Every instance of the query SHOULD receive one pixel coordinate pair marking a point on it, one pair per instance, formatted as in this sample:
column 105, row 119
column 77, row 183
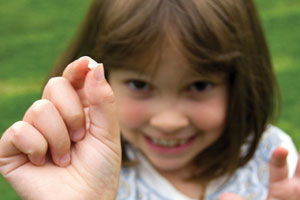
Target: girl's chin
column 167, row 165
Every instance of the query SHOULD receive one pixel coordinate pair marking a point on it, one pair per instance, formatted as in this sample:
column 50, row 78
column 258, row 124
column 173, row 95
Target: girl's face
column 171, row 115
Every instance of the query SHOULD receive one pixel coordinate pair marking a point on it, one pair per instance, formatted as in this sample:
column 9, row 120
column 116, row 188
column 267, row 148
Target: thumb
column 230, row 196
column 278, row 165
column 101, row 105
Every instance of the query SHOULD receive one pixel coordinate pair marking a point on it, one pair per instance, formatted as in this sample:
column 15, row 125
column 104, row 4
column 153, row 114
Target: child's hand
column 280, row 186
column 77, row 117
column 230, row 196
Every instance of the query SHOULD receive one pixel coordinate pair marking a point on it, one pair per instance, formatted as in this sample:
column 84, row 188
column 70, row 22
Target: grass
column 33, row 33
column 281, row 20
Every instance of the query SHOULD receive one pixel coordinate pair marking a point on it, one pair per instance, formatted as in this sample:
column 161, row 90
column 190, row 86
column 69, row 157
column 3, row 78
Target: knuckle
column 41, row 106
column 18, row 126
column 108, row 95
column 18, row 129
column 54, row 82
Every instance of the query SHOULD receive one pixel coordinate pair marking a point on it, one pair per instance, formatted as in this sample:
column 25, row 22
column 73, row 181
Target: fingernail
column 99, row 73
column 36, row 161
column 92, row 64
column 78, row 135
column 65, row 160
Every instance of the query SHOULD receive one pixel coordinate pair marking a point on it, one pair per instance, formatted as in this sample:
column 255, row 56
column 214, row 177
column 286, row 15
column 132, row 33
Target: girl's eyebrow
column 134, row 72
column 215, row 77
column 146, row 71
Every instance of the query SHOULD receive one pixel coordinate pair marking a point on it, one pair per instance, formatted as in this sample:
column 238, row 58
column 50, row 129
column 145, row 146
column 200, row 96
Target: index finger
column 77, row 70
column 278, row 165
column 230, row 196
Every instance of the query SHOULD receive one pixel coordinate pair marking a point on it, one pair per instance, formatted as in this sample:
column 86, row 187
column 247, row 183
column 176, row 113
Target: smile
column 169, row 142
column 169, row 146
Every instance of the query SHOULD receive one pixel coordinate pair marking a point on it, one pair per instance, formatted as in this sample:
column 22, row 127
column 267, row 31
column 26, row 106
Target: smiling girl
column 191, row 89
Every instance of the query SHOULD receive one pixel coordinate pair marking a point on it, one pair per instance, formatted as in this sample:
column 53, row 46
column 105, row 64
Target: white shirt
column 142, row 182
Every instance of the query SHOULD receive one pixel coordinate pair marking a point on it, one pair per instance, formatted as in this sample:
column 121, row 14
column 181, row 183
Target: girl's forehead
column 166, row 72
column 171, row 63
column 168, row 59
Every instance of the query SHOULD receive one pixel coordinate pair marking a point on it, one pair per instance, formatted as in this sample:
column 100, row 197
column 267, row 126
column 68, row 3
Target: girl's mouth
column 169, row 145
column 169, row 142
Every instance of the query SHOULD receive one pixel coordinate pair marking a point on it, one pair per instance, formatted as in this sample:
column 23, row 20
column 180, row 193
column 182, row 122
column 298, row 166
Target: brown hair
column 213, row 36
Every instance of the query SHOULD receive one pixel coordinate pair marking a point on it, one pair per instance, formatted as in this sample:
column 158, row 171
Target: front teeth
column 169, row 143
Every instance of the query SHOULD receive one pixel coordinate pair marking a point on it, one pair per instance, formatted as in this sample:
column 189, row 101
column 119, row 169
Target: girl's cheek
column 131, row 113
column 208, row 116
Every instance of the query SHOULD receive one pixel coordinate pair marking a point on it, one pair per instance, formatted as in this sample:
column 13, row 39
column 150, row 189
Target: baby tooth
column 92, row 64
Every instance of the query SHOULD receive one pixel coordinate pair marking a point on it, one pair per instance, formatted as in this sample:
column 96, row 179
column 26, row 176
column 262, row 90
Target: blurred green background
column 33, row 33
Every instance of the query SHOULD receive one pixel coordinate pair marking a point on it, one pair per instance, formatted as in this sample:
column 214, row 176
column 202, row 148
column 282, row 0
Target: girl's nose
column 169, row 121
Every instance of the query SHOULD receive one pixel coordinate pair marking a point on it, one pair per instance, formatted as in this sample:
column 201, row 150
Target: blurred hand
column 281, row 187
column 230, row 196
column 68, row 144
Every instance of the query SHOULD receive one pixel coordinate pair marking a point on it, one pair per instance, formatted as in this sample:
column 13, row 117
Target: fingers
column 67, row 94
column 102, row 112
column 278, row 165
column 61, row 93
column 19, row 143
column 87, row 77
column 230, row 196
column 46, row 119
column 61, row 112
column 21, row 137
column 76, row 72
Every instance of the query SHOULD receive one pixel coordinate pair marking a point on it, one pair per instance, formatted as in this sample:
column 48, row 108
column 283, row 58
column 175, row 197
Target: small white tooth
column 172, row 143
column 155, row 141
column 92, row 64
column 169, row 143
column 164, row 142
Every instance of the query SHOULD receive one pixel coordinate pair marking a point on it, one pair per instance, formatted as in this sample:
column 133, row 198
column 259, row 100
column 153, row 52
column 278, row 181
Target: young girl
column 194, row 93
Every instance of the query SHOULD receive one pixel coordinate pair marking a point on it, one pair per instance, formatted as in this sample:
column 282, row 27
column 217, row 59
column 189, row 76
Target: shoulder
column 274, row 137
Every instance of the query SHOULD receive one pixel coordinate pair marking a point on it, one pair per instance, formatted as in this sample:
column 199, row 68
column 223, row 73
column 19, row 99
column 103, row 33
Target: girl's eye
column 138, row 85
column 200, row 86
